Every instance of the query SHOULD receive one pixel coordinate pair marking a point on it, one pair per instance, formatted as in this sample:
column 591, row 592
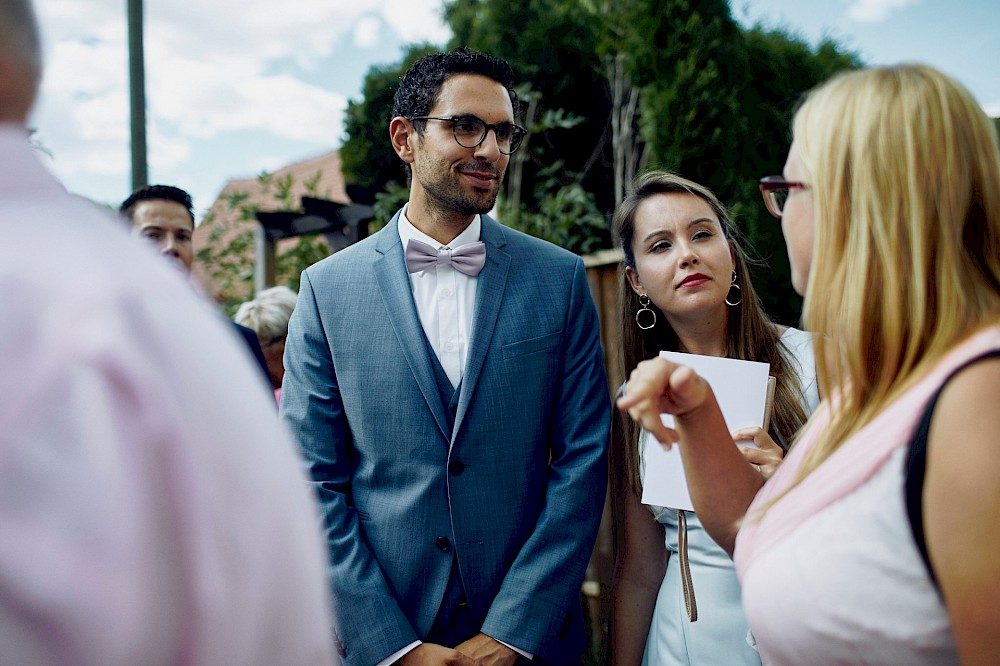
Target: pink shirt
column 153, row 510
column 831, row 573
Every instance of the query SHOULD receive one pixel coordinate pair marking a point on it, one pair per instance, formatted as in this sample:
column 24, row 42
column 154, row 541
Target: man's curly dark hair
column 420, row 86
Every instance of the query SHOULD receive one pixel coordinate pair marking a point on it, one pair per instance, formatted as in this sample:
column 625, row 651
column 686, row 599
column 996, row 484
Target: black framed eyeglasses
column 775, row 190
column 471, row 131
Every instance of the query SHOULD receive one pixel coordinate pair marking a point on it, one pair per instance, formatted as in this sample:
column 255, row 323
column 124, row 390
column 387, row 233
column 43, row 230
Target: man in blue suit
column 445, row 378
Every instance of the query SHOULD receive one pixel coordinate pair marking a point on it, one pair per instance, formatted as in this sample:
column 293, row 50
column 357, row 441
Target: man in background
column 152, row 508
column 163, row 215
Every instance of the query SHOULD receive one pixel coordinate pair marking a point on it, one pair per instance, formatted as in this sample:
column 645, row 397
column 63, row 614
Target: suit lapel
column 489, row 296
column 394, row 288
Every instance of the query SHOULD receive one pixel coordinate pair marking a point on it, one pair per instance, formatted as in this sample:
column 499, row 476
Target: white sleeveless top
column 849, row 586
column 831, row 573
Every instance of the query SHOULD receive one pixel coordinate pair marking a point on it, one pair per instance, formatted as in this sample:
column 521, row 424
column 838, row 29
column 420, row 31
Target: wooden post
column 604, row 277
column 263, row 266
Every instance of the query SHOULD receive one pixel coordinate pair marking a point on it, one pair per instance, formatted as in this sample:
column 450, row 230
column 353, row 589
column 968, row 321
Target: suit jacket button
column 456, row 467
column 443, row 544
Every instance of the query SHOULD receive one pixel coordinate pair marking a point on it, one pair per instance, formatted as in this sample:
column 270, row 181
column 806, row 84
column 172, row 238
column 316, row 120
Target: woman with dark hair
column 687, row 289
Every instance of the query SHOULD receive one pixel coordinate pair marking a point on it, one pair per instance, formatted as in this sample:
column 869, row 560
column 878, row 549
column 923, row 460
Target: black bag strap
column 916, row 466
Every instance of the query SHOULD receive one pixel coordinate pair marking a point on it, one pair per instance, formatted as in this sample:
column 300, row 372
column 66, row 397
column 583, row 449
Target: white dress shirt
column 154, row 510
column 445, row 299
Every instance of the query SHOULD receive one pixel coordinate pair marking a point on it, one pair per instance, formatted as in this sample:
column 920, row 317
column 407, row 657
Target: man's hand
column 431, row 654
column 488, row 651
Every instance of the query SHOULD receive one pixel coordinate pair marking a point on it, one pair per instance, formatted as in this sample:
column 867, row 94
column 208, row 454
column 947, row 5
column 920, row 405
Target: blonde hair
column 268, row 313
column 905, row 174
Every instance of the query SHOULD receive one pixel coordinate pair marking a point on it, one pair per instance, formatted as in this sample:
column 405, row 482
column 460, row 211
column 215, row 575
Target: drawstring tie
column 686, row 581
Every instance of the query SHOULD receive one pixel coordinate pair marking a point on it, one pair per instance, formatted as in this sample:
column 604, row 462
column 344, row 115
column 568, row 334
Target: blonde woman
column 890, row 204
column 676, row 599
column 267, row 315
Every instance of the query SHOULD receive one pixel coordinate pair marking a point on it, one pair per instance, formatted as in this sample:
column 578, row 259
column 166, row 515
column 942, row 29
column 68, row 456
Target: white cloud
column 258, row 32
column 100, row 159
column 212, row 67
column 366, row 32
column 167, row 151
column 84, row 92
column 416, row 20
column 102, row 118
column 875, row 11
column 992, row 110
column 68, row 19
column 205, row 101
column 78, row 68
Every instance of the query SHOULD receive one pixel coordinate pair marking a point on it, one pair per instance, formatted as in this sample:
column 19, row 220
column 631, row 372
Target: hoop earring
column 644, row 302
column 739, row 293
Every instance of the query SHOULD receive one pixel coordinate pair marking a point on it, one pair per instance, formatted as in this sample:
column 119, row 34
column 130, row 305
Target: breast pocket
column 539, row 345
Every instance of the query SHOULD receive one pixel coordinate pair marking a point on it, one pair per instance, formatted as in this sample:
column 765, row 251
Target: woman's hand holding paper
column 763, row 453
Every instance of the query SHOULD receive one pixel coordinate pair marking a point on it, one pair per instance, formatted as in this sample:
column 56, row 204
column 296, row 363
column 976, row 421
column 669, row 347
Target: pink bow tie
column 468, row 259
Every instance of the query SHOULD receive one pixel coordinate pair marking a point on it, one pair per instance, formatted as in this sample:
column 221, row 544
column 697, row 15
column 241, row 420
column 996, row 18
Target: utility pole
column 137, row 94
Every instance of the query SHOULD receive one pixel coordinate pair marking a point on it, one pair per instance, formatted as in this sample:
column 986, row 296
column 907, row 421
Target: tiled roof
column 318, row 176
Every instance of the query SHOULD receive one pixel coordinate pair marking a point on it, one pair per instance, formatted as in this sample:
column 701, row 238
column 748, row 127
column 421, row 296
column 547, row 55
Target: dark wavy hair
column 750, row 334
column 420, row 87
column 156, row 193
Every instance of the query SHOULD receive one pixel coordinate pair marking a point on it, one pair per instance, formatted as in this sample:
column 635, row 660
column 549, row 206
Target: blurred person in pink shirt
column 153, row 509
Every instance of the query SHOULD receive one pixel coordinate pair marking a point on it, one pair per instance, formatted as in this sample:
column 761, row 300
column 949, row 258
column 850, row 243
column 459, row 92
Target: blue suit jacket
column 253, row 346
column 530, row 433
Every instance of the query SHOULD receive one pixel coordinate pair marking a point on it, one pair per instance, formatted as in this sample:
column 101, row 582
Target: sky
column 236, row 88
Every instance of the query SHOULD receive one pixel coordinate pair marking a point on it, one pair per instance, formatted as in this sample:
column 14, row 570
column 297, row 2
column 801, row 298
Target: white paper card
column 740, row 388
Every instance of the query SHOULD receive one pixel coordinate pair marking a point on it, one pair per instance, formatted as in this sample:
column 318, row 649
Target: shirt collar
column 408, row 232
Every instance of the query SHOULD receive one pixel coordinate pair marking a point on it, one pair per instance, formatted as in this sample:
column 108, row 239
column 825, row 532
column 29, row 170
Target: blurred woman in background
column 268, row 314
